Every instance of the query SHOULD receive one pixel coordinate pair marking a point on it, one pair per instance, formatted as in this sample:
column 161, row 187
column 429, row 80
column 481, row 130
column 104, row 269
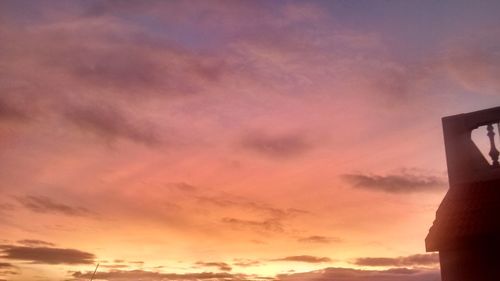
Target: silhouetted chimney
column 466, row 231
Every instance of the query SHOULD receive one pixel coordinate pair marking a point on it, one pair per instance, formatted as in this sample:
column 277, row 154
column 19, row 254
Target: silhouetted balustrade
column 494, row 153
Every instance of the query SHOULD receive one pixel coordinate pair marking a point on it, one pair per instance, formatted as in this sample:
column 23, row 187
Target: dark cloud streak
column 305, row 258
column 46, row 255
column 396, row 183
column 413, row 260
column 5, row 265
column 158, row 276
column 349, row 274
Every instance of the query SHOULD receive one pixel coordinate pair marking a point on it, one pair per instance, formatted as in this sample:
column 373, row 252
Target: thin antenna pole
column 93, row 274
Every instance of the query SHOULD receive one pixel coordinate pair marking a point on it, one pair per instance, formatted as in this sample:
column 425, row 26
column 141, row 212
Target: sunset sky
column 232, row 140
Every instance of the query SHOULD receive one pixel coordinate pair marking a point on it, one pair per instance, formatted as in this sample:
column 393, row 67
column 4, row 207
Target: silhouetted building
column 466, row 231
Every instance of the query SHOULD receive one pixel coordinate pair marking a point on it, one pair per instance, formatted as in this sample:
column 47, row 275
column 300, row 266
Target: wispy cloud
column 305, row 258
column 474, row 63
column 395, row 183
column 115, row 266
column 259, row 216
column 43, row 204
column 226, row 201
column 8, row 269
column 110, row 123
column 246, row 262
column 273, row 225
column 34, row 242
column 277, row 146
column 318, row 239
column 220, row 265
column 91, row 85
column 12, row 109
column 181, row 186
